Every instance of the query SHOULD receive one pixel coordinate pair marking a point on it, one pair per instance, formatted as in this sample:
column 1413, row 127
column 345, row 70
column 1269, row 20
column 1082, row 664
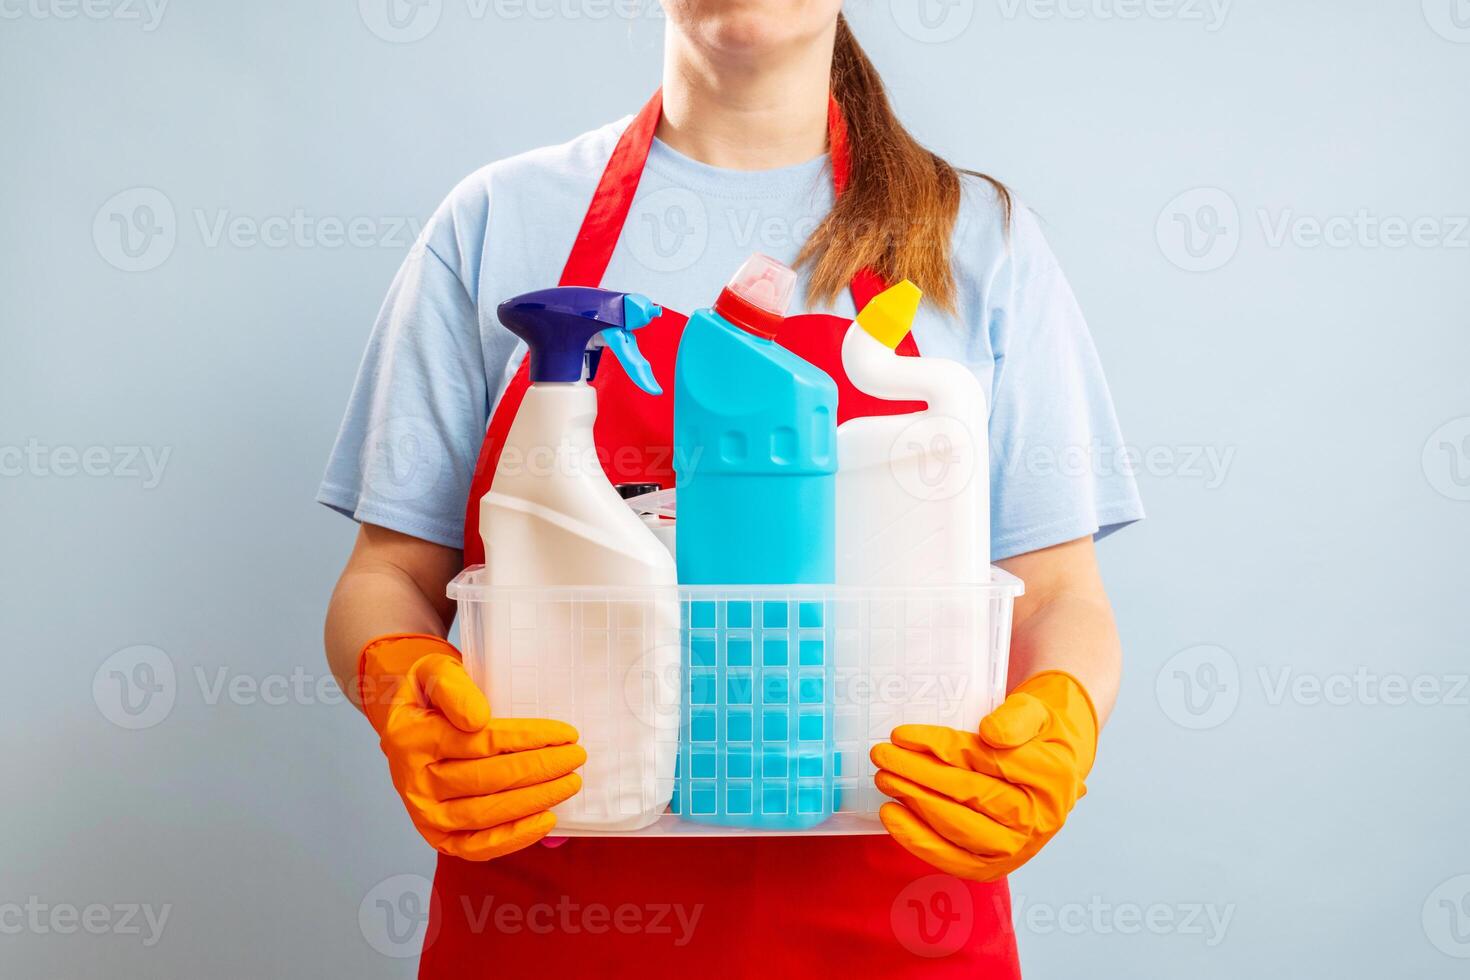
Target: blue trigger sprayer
column 565, row 328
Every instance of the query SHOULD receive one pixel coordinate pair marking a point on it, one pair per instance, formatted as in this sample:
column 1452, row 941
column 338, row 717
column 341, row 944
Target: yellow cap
column 890, row 314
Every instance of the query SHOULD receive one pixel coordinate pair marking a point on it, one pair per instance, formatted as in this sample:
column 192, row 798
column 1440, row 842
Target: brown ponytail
column 899, row 209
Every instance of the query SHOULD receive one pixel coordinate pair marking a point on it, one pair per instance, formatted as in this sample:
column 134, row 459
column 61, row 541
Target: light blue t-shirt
column 438, row 360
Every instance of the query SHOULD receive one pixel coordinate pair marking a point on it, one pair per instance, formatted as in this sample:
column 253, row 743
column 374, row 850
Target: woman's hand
column 476, row 787
column 980, row 806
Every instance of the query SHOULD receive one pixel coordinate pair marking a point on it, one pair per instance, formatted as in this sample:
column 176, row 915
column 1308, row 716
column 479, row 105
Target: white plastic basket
column 769, row 697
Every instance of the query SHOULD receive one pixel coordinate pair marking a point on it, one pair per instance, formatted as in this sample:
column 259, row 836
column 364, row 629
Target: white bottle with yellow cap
column 913, row 491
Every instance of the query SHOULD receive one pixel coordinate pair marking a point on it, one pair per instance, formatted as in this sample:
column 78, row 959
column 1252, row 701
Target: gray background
column 1258, row 823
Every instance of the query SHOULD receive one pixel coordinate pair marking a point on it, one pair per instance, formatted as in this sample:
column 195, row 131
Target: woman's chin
column 754, row 28
column 743, row 34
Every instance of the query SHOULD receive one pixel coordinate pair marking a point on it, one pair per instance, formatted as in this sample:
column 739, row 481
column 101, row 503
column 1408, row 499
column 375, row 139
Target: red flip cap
column 757, row 298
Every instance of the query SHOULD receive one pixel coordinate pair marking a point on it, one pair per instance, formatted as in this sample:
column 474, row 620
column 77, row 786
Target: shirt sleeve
column 407, row 447
column 1059, row 469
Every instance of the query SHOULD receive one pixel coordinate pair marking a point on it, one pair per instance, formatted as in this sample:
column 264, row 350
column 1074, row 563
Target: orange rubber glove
column 980, row 806
column 476, row 787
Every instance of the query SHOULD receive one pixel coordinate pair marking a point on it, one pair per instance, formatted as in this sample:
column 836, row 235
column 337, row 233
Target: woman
column 773, row 135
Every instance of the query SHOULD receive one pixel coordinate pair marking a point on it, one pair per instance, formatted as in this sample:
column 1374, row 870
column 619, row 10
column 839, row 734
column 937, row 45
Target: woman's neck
column 745, row 113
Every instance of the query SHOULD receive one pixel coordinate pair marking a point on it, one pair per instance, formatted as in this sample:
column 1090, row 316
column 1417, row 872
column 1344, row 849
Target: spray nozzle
column 562, row 325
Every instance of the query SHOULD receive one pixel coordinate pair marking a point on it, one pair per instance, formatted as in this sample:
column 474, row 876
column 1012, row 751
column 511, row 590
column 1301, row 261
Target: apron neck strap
column 603, row 225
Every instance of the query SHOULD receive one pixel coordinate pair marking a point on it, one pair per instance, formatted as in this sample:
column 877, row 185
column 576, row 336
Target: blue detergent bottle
column 755, row 456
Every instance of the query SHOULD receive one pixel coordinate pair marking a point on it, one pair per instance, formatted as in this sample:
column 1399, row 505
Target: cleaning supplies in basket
column 551, row 520
column 755, row 454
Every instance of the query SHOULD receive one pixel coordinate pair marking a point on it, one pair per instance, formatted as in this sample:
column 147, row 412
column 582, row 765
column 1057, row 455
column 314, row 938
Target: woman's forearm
column 1065, row 622
column 1073, row 633
column 392, row 584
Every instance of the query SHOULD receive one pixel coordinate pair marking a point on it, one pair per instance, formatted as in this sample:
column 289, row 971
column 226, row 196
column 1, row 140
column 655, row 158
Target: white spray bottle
column 552, row 521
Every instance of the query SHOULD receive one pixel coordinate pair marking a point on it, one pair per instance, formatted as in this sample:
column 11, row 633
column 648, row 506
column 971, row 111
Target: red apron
column 705, row 907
